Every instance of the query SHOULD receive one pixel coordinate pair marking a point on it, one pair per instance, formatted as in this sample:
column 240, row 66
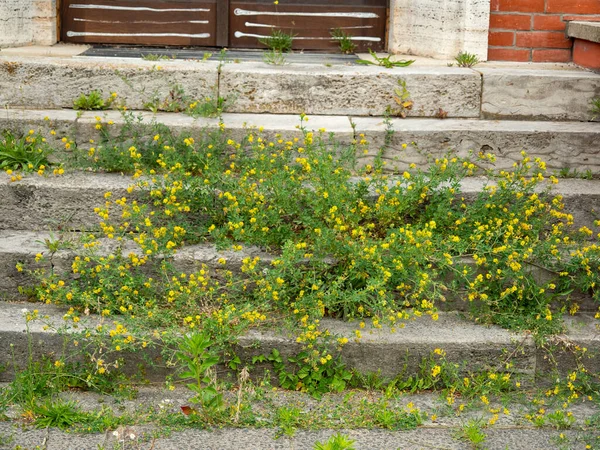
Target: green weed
column 94, row 101
column 27, row 153
column 336, row 442
column 465, row 59
column 344, row 41
column 472, row 431
column 595, row 108
column 58, row 414
column 386, row 61
column 274, row 57
column 279, row 41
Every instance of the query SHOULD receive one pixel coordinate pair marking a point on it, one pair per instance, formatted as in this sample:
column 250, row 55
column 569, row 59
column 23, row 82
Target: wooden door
column 144, row 22
column 224, row 23
column 310, row 22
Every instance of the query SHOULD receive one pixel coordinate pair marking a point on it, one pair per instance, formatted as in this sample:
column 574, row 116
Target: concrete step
column 472, row 346
column 562, row 145
column 67, row 202
column 23, row 246
column 513, row 92
column 18, row 247
column 352, row 414
column 428, row 437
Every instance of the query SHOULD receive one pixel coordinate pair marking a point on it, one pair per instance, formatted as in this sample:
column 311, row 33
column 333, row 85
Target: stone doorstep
column 561, row 145
column 508, row 92
column 465, row 342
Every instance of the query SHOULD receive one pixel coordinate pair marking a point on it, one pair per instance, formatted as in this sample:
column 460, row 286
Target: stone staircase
column 498, row 108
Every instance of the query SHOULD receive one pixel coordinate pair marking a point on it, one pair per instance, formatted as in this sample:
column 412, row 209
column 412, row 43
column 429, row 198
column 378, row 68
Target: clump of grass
column 595, row 108
column 27, row 153
column 336, row 442
column 157, row 57
column 274, row 57
column 386, row 61
column 465, row 59
column 344, row 40
column 278, row 41
column 94, row 101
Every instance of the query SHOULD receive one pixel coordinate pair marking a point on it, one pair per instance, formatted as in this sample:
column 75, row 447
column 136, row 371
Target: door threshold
column 213, row 54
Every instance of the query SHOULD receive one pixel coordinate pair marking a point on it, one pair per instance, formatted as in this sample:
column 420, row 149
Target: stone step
column 472, row 346
column 67, row 201
column 21, row 247
column 157, row 437
column 491, row 92
column 562, row 145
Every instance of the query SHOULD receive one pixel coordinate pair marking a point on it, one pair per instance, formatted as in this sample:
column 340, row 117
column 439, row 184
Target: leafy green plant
column 27, row 153
column 274, row 57
column 465, row 59
column 386, row 61
column 336, row 442
column 312, row 371
column 472, row 431
column 288, row 419
column 278, row 41
column 344, row 40
column 402, row 100
column 57, row 413
column 595, row 108
column 157, row 57
column 197, row 361
column 94, row 101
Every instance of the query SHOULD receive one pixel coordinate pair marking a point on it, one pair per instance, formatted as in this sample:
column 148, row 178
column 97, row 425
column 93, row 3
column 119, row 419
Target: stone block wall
column 439, row 28
column 534, row 30
column 27, row 22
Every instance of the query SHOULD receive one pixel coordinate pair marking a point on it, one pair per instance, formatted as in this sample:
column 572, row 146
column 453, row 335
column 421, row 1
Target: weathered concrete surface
column 348, row 90
column 439, row 29
column 561, row 145
column 21, row 247
column 66, row 202
column 538, row 94
column 47, row 82
column 26, row 22
column 430, row 437
column 588, row 31
column 379, row 349
column 566, row 351
column 237, row 125
column 470, row 345
column 18, row 121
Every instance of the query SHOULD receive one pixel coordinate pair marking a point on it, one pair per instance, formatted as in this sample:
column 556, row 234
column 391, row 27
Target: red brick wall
column 534, row 30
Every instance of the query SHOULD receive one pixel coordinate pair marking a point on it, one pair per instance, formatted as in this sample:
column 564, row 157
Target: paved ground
column 264, row 439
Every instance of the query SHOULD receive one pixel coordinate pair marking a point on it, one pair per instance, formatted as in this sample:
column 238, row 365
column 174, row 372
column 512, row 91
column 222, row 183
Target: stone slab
column 588, row 31
column 57, row 202
column 26, row 22
column 470, row 345
column 439, row 29
column 349, row 90
column 54, row 83
column 538, row 94
column 237, row 125
column 574, row 146
column 268, row 438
